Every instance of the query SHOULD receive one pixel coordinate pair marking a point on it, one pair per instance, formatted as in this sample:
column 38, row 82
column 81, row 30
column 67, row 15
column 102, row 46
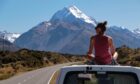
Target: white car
column 99, row 74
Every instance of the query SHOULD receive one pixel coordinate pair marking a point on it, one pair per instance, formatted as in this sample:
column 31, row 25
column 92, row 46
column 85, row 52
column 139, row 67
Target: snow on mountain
column 9, row 36
column 123, row 36
column 137, row 31
column 79, row 14
column 71, row 14
column 66, row 31
column 69, row 31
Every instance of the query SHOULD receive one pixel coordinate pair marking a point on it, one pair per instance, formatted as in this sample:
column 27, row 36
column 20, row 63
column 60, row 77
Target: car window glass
column 93, row 78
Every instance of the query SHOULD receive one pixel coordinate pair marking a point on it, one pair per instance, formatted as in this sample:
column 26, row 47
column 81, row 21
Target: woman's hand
column 90, row 56
column 115, row 56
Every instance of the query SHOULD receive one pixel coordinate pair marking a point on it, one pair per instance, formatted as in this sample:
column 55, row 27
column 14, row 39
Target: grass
column 5, row 76
column 54, row 78
column 6, row 72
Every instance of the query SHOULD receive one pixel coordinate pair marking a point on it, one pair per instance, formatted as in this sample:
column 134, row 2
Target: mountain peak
column 75, row 11
column 71, row 13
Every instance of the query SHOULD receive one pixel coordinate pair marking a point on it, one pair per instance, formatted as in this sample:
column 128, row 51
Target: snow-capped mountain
column 123, row 36
column 72, row 14
column 69, row 31
column 9, row 36
column 137, row 31
column 66, row 31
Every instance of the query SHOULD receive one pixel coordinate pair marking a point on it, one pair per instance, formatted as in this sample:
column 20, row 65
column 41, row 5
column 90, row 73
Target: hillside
column 6, row 45
column 12, row 63
column 129, row 56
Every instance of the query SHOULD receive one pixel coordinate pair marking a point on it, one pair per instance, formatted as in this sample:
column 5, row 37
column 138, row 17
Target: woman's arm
column 91, row 46
column 113, row 50
column 112, row 47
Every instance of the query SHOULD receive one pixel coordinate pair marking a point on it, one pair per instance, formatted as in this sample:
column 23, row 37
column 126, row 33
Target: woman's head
column 101, row 27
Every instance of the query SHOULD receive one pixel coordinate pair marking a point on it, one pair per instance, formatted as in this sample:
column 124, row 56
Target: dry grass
column 6, row 72
column 54, row 78
column 14, row 63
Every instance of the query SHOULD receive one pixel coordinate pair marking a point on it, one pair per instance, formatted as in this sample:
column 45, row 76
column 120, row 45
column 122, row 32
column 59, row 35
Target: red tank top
column 102, row 51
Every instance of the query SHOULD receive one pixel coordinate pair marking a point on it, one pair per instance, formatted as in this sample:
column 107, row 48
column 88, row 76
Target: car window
column 100, row 78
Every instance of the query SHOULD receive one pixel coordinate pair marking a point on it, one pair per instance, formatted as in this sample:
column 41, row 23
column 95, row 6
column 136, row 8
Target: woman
column 103, row 47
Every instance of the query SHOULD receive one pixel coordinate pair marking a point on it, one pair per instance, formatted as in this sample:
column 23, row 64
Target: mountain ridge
column 67, row 33
column 9, row 36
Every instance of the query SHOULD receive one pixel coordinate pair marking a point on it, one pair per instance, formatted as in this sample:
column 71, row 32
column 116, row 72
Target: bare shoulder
column 92, row 37
column 109, row 38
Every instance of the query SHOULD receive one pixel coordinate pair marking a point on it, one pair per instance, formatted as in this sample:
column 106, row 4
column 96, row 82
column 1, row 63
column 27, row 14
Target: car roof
column 112, row 68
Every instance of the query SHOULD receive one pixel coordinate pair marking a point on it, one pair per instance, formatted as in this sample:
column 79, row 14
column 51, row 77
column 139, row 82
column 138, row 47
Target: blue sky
column 22, row 15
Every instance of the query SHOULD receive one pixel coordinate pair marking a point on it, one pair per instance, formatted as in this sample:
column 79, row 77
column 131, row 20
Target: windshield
column 100, row 78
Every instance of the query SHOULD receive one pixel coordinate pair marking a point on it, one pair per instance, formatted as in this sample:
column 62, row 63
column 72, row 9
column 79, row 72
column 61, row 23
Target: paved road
column 40, row 76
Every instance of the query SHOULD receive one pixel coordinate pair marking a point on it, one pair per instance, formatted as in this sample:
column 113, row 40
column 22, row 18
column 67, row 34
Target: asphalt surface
column 39, row 76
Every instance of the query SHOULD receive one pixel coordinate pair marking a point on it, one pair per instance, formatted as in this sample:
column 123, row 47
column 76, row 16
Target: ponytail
column 102, row 26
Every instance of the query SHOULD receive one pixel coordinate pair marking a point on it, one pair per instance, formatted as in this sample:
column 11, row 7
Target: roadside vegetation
column 129, row 56
column 12, row 63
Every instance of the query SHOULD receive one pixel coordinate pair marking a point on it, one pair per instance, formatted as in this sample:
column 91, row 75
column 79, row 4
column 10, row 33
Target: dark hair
column 102, row 25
